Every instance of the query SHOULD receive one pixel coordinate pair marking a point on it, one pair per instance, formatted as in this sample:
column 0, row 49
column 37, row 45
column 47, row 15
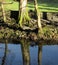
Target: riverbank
column 49, row 35
column 12, row 31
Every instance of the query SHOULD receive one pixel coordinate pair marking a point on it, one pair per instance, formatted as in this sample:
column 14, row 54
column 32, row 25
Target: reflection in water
column 5, row 53
column 39, row 55
column 36, row 55
column 25, row 52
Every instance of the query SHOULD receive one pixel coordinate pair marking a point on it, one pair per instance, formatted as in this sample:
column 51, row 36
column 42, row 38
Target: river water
column 13, row 56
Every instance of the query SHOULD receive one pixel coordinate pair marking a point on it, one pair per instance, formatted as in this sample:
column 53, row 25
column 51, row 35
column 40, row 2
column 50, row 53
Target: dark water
column 13, row 56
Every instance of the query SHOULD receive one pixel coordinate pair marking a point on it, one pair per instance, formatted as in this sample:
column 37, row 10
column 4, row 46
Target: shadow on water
column 24, row 54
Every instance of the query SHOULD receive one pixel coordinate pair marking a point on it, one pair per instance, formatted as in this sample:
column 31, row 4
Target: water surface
column 14, row 55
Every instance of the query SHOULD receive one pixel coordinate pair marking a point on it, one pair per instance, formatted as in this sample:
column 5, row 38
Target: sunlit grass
column 43, row 6
column 13, row 6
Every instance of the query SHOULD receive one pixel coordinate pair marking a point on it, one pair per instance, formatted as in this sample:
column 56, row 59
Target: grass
column 43, row 5
column 13, row 6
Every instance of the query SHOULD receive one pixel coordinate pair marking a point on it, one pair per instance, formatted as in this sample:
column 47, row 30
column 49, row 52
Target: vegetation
column 44, row 5
column 24, row 16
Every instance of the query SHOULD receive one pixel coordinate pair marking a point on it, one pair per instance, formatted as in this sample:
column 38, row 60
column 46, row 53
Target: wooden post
column 25, row 52
column 39, row 55
column 22, row 10
column 38, row 14
column 3, row 11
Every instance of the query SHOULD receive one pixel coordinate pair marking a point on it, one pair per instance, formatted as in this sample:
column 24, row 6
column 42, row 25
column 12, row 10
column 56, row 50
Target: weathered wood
column 3, row 12
column 38, row 14
column 22, row 11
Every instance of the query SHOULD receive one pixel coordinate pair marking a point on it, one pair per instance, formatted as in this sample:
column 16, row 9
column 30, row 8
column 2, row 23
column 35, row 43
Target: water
column 13, row 55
